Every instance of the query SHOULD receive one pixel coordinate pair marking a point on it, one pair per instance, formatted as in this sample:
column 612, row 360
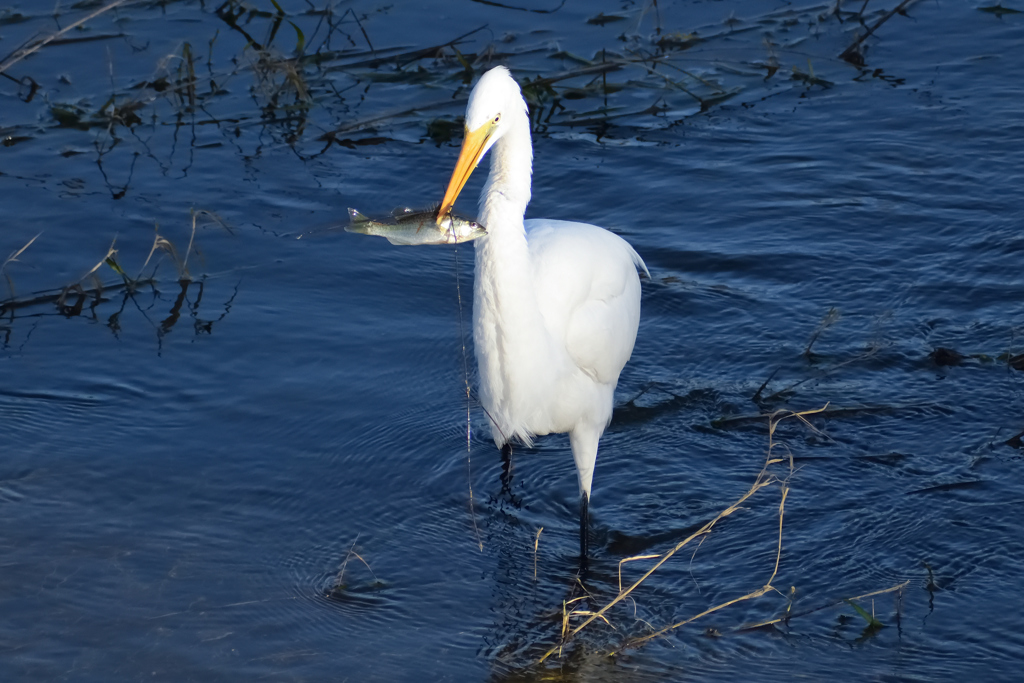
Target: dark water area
column 260, row 470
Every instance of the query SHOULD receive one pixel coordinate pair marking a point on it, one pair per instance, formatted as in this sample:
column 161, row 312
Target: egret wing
column 588, row 290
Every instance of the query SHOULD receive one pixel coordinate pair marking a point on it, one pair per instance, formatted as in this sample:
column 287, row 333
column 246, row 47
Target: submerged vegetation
column 316, row 76
column 86, row 294
column 312, row 75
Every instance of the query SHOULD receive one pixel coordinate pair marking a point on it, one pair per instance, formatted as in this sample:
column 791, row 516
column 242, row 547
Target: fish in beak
column 474, row 146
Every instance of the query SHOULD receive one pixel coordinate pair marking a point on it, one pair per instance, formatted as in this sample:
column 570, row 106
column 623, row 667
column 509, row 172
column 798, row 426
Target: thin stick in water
column 536, row 544
column 19, row 55
column 465, row 375
column 852, row 53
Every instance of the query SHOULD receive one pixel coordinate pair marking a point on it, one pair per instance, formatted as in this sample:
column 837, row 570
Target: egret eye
column 497, row 119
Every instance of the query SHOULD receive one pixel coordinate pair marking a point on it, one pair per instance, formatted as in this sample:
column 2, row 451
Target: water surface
column 188, row 467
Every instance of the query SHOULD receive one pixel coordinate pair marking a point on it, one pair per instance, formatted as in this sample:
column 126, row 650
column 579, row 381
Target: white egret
column 556, row 304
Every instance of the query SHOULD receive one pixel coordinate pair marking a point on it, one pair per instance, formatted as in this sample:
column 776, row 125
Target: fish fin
column 357, row 217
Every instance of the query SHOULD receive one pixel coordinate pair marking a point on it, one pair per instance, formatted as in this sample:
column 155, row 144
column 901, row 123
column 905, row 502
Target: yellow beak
column 469, row 156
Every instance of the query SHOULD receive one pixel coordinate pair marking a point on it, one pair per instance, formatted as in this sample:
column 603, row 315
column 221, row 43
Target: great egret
column 556, row 304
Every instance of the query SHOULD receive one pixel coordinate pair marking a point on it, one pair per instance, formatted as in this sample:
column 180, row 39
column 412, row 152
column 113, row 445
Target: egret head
column 493, row 105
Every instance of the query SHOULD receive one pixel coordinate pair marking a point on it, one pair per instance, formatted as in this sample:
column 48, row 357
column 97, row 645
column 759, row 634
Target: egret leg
column 584, row 440
column 506, row 468
column 584, row 527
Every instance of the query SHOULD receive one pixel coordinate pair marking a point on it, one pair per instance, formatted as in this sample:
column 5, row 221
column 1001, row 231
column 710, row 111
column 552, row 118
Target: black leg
column 584, row 527
column 506, row 468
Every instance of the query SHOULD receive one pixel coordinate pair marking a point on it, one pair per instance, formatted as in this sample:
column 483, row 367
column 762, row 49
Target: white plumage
column 556, row 304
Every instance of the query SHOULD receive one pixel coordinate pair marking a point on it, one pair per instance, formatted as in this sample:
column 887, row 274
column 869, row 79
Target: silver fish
column 411, row 227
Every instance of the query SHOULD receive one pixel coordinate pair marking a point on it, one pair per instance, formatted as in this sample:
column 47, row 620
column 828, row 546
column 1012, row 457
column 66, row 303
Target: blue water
column 185, row 473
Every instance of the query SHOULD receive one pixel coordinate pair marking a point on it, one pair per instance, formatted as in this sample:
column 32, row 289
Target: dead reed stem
column 788, row 615
column 763, row 479
column 12, row 259
column 848, row 53
column 536, row 545
column 469, row 405
column 24, row 52
column 339, row 578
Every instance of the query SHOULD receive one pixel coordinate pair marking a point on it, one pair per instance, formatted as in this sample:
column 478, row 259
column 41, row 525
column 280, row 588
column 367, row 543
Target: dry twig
column 763, row 479
column 24, row 52
column 852, row 53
